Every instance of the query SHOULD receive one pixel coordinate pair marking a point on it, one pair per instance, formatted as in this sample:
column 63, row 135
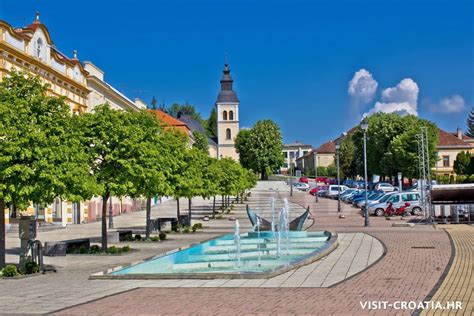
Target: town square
column 237, row 157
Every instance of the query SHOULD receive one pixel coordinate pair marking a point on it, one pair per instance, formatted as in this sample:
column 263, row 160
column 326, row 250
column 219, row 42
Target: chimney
column 459, row 133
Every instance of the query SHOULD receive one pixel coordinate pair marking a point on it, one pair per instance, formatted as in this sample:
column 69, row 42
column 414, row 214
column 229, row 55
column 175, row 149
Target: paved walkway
column 459, row 282
column 414, row 262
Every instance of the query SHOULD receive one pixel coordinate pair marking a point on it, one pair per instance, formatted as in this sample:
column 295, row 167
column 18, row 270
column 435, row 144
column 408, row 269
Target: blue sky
column 291, row 60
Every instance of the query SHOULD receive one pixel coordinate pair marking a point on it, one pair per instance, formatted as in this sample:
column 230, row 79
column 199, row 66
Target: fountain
column 237, row 242
column 259, row 253
column 272, row 208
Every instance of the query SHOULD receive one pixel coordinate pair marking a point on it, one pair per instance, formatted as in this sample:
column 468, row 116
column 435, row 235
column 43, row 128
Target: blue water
column 258, row 254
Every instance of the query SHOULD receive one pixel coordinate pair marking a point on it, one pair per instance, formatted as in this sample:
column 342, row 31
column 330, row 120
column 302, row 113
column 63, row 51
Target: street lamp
column 364, row 125
column 316, row 173
column 338, row 145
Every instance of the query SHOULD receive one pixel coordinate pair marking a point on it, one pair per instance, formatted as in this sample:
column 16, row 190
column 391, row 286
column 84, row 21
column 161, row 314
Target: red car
column 304, row 179
column 322, row 179
column 313, row 191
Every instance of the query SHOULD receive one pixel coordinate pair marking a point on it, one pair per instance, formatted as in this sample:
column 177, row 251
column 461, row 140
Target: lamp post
column 316, row 174
column 364, row 125
column 338, row 145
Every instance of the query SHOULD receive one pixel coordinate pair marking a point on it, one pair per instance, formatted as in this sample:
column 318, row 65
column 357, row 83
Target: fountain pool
column 248, row 255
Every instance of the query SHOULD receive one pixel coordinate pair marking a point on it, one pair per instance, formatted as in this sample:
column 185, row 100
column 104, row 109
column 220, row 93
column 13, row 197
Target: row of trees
column 391, row 147
column 46, row 153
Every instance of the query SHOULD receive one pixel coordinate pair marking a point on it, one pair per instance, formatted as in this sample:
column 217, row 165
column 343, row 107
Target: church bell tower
column 227, row 110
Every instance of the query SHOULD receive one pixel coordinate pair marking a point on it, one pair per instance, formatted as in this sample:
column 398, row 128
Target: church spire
column 227, row 94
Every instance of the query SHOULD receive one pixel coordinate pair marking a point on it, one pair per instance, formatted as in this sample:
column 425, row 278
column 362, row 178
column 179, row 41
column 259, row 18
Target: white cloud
column 362, row 87
column 401, row 99
column 450, row 105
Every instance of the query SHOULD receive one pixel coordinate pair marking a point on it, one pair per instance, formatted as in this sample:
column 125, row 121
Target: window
column 224, row 115
column 228, row 134
column 305, row 152
column 285, row 165
column 445, row 161
column 285, row 154
column 395, row 199
column 292, row 154
column 231, row 115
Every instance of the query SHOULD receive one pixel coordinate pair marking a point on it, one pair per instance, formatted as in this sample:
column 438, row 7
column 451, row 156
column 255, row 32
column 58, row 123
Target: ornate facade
column 31, row 49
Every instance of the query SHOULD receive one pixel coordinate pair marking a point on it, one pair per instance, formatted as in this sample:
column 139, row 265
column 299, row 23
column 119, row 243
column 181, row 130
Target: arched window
column 228, row 134
column 231, row 115
column 224, row 115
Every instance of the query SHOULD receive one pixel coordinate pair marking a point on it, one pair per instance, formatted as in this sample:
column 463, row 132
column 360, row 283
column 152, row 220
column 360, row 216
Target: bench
column 61, row 248
column 158, row 223
column 119, row 235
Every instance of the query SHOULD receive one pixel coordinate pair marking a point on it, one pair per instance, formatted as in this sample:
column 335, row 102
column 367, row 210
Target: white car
column 386, row 187
column 301, row 186
column 333, row 191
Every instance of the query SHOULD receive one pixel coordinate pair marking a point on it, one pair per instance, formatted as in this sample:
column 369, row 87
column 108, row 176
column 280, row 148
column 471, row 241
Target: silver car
column 397, row 200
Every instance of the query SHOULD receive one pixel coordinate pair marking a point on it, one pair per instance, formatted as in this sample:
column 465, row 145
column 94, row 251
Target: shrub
column 82, row 250
column 128, row 237
column 10, row 270
column 94, row 249
column 112, row 250
column 126, row 248
column 138, row 237
column 155, row 238
column 198, row 225
column 31, row 267
column 162, row 236
column 186, row 230
column 193, row 229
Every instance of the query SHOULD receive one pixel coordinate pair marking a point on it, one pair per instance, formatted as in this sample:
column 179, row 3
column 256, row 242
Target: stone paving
column 413, row 264
column 458, row 285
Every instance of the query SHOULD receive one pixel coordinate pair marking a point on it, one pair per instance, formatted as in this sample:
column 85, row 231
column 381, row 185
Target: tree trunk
column 177, row 208
column 148, row 218
column 189, row 212
column 214, row 207
column 2, row 233
column 104, row 220
column 223, row 202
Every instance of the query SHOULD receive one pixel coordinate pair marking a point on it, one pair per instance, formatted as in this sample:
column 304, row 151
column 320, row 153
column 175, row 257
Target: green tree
column 211, row 124
column 346, row 158
column 392, row 145
column 261, row 148
column 114, row 144
column 242, row 145
column 153, row 103
column 40, row 156
column 154, row 162
column 177, row 109
column 462, row 162
column 200, row 142
column 470, row 124
column 331, row 170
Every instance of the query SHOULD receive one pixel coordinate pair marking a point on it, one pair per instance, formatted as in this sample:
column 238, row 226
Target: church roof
column 227, row 94
column 195, row 125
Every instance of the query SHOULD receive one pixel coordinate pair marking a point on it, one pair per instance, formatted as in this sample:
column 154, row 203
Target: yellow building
column 31, row 49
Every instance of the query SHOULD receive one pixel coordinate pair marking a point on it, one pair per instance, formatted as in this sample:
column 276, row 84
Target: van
column 333, row 191
column 397, row 200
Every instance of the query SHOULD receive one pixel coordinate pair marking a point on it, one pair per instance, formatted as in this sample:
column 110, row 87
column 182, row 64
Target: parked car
column 349, row 196
column 322, row 180
column 303, row 179
column 397, row 199
column 332, row 181
column 301, row 186
column 373, row 199
column 386, row 187
column 318, row 190
column 333, row 191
